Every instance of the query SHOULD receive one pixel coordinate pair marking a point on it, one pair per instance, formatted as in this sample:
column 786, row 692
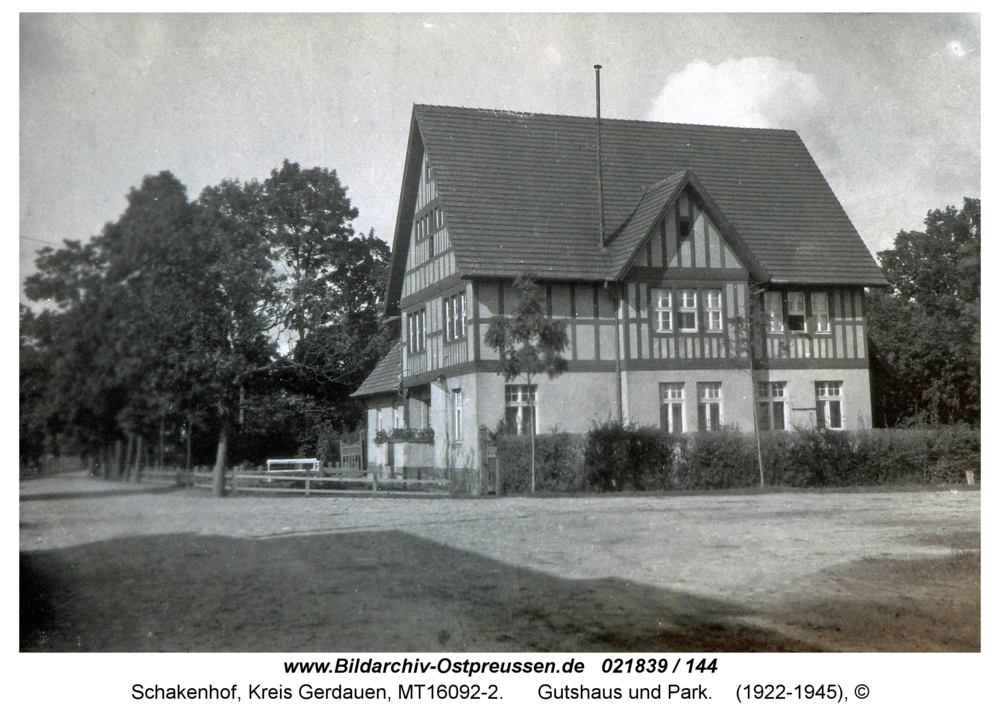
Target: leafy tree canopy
column 925, row 328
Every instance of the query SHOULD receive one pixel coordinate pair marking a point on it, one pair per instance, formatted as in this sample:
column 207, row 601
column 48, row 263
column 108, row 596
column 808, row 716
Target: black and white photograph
column 644, row 335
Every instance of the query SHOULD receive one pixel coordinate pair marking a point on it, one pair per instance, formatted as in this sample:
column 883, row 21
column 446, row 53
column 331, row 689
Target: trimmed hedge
column 559, row 462
column 616, row 457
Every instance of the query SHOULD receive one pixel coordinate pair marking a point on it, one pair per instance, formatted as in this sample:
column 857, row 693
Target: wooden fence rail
column 303, row 482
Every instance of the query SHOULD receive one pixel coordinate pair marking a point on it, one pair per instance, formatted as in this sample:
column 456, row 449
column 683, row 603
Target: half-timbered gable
column 716, row 281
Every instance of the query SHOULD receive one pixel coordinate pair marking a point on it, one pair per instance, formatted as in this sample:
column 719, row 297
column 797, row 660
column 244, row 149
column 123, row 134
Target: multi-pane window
column 520, row 413
column 829, row 412
column 456, row 415
column 416, row 328
column 687, row 313
column 797, row 311
column 454, row 317
column 672, row 407
column 773, row 312
column 820, row 312
column 663, row 310
column 713, row 309
column 771, row 400
column 709, row 405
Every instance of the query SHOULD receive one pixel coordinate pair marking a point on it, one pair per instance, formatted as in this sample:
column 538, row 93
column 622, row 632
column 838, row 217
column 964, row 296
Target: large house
column 671, row 255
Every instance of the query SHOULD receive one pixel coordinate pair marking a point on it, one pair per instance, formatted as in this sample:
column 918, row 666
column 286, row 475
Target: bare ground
column 108, row 567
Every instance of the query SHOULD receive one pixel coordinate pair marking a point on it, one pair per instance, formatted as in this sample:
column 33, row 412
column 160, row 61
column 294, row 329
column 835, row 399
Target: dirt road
column 771, row 560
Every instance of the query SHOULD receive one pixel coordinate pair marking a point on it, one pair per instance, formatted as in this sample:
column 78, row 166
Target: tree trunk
column 531, row 423
column 140, row 455
column 190, row 428
column 129, row 453
column 159, row 457
column 219, row 473
column 116, row 467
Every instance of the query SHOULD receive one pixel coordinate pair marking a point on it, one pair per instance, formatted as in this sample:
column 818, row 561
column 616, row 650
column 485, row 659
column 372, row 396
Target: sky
column 888, row 105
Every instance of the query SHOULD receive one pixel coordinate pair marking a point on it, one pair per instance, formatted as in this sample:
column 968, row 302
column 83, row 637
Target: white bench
column 295, row 466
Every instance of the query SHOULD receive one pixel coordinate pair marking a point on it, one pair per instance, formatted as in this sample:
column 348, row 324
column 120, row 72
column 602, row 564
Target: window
column 820, row 312
column 709, row 406
column 456, row 421
column 416, row 331
column 427, row 173
column 454, row 317
column 663, row 310
column 829, row 413
column 713, row 310
column 520, row 416
column 687, row 316
column 771, row 405
column 683, row 218
column 672, row 407
column 773, row 312
column 379, row 422
column 797, row 311
column 397, row 416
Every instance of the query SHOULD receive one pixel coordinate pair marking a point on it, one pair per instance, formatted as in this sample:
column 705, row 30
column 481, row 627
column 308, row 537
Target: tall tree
column 529, row 343
column 230, row 343
column 925, row 329
column 334, row 284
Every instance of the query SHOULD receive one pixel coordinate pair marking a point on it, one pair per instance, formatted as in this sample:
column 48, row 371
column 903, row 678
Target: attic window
column 797, row 311
column 427, row 173
column 684, row 217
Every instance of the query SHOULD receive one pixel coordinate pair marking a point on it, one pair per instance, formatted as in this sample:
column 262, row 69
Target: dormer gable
column 677, row 225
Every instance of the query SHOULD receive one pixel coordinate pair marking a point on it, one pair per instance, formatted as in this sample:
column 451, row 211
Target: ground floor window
column 829, row 412
column 456, row 425
column 771, row 399
column 709, row 405
column 521, row 409
column 672, row 407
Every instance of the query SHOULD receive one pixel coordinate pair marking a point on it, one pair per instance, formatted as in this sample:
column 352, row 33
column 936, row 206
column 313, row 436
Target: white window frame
column 820, row 305
column 709, row 394
column 456, row 417
column 417, row 331
column 770, row 393
column 685, row 309
column 713, row 310
column 797, row 309
column 524, row 398
column 774, row 313
column 829, row 392
column 672, row 395
column 663, row 307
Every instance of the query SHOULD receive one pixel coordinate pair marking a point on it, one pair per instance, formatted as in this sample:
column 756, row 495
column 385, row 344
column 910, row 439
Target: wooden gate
column 490, row 470
column 351, row 455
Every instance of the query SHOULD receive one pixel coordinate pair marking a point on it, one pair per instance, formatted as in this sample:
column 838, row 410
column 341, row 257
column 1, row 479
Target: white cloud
column 751, row 92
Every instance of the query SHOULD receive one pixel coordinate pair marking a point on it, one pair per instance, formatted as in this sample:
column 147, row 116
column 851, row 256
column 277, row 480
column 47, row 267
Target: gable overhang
column 689, row 180
column 404, row 219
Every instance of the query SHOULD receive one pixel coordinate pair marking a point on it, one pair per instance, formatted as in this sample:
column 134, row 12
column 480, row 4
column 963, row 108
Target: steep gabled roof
column 519, row 194
column 386, row 375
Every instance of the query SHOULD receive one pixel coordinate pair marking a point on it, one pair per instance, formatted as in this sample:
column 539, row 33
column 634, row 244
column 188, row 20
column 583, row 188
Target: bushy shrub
column 558, row 462
column 616, row 457
column 717, row 460
column 620, row 456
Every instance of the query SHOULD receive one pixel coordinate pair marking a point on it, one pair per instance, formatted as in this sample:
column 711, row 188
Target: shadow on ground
column 62, row 495
column 377, row 591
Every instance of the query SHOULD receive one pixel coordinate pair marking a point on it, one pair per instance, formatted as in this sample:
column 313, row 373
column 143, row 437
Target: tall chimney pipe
column 600, row 183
